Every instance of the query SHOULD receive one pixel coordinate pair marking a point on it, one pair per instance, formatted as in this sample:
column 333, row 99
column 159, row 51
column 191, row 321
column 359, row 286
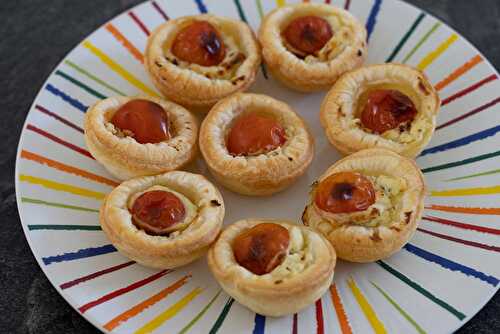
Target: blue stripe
column 79, row 254
column 74, row 102
column 372, row 18
column 260, row 324
column 451, row 265
column 201, row 6
column 463, row 141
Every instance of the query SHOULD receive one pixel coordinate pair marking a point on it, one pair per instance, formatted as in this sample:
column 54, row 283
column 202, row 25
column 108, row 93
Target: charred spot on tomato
column 144, row 120
column 386, row 109
column 254, row 134
column 344, row 192
column 157, row 211
column 199, row 43
column 308, row 34
column 261, row 248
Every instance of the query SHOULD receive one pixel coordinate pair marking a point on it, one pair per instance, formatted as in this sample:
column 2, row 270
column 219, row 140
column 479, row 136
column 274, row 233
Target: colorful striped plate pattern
column 437, row 282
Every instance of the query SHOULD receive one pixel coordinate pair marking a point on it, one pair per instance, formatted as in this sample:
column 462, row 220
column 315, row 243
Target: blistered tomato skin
column 199, row 43
column 157, row 210
column 387, row 109
column 255, row 134
column 308, row 34
column 146, row 120
column 344, row 192
column 262, row 248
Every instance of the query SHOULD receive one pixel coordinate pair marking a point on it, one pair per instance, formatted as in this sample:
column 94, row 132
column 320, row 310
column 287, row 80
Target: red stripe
column 469, row 89
column 162, row 13
column 59, row 141
column 122, row 291
column 295, row 323
column 470, row 113
column 95, row 275
column 462, row 241
column 462, row 225
column 347, row 4
column 319, row 318
column 327, row 1
column 139, row 23
column 59, row 118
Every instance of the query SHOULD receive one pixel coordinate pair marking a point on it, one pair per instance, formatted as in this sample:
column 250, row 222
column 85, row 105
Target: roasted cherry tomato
column 344, row 192
column 261, row 248
column 147, row 121
column 254, row 134
column 386, row 109
column 199, row 43
column 308, row 34
column 157, row 210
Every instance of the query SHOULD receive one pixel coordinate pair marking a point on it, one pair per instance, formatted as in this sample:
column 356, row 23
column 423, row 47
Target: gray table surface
column 35, row 35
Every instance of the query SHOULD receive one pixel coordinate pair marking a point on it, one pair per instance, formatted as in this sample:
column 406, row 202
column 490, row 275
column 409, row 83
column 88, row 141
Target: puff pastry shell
column 124, row 157
column 198, row 86
column 263, row 174
column 400, row 180
column 345, row 51
column 291, row 286
column 340, row 110
column 178, row 248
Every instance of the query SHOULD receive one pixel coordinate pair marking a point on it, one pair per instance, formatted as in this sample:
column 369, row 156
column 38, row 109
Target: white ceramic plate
column 437, row 282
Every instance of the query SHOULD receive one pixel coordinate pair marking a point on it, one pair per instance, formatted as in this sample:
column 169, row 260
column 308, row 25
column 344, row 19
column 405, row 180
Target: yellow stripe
column 370, row 314
column 61, row 186
column 169, row 313
column 280, row 3
column 467, row 191
column 119, row 69
column 433, row 55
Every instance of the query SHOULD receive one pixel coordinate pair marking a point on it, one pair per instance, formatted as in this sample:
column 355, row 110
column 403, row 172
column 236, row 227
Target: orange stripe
column 125, row 42
column 132, row 312
column 66, row 168
column 339, row 309
column 459, row 72
column 475, row 211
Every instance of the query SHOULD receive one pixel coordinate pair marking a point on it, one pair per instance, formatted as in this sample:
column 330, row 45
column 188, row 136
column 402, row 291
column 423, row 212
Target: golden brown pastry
column 273, row 267
column 254, row 144
column 198, row 60
column 389, row 106
column 309, row 46
column 163, row 221
column 367, row 204
column 136, row 136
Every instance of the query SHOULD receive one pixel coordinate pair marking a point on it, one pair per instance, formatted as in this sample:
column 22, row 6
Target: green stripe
column 422, row 41
column 57, row 205
column 93, row 77
column 199, row 315
column 400, row 310
column 422, row 291
column 81, row 85
column 496, row 171
column 65, row 227
column 405, row 37
column 259, row 8
column 222, row 316
column 461, row 162
column 240, row 10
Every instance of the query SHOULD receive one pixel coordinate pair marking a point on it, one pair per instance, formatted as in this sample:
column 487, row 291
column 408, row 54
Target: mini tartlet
column 367, row 205
column 277, row 268
column 137, row 136
column 163, row 221
column 198, row 60
column 255, row 145
column 309, row 46
column 388, row 106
